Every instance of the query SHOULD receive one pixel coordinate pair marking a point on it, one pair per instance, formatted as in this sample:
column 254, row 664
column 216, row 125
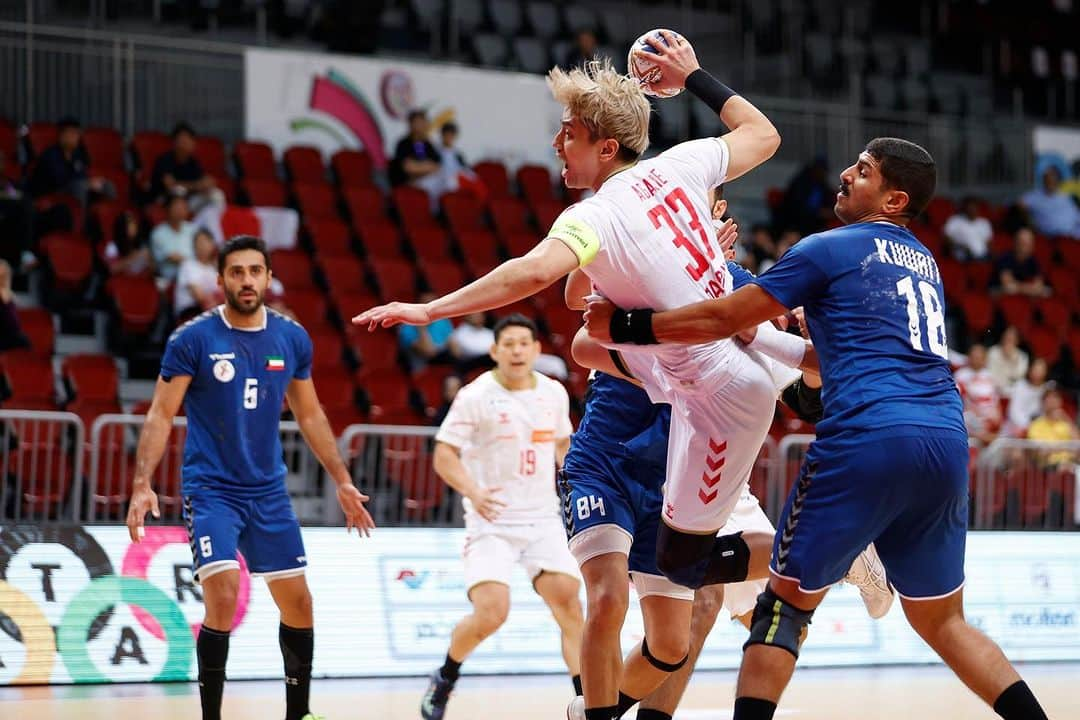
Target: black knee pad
column 777, row 623
column 695, row 560
column 660, row 664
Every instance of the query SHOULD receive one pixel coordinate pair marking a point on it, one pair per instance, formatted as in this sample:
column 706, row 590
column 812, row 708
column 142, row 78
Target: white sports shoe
column 576, row 709
column 868, row 574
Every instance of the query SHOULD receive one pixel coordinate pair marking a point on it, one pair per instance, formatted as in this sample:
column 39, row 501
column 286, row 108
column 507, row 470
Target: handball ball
column 646, row 72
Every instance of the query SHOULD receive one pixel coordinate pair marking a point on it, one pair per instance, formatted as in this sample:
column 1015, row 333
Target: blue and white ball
column 646, row 72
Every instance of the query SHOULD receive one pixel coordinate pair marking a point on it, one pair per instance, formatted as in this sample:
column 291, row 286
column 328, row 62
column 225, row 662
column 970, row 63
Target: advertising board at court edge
column 82, row 604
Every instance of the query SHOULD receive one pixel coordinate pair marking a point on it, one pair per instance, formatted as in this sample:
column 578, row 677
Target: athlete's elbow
column 769, row 139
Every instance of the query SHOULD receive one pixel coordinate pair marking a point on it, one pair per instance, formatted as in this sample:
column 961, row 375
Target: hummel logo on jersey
column 222, row 356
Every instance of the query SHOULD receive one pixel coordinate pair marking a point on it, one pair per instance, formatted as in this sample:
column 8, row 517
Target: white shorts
column 492, row 550
column 714, row 440
column 740, row 598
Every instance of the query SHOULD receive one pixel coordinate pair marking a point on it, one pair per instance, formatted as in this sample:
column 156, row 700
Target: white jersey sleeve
column 462, row 421
column 565, row 428
column 705, row 161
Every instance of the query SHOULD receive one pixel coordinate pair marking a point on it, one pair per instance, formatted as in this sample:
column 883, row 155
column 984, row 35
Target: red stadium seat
column 479, row 268
column 510, row 217
column 9, row 146
column 329, row 236
column 29, row 378
column 118, row 178
column 146, row 148
column 479, row 246
column 386, row 390
column 351, row 168
column 428, row 382
column 396, row 279
column 137, row 301
column 1044, row 342
column 105, row 146
column 380, row 238
column 546, row 213
column 227, row 186
column 309, row 306
column 535, row 183
column 265, row 192
column 1070, row 253
column 978, row 313
column 40, row 136
column 1017, row 310
column 1065, row 285
column 210, row 152
column 443, row 277
column 343, row 273
column 429, row 242
column 315, row 200
column 463, row 211
column 352, row 302
column 71, row 259
column 328, row 351
column 953, row 277
column 979, row 275
column 103, row 217
column 376, row 350
column 255, row 160
column 494, row 177
column 37, row 326
column 1073, row 343
column 365, row 203
column 293, row 269
column 1054, row 314
column 413, row 207
column 1045, row 249
column 92, row 378
column 939, row 210
column 1001, row 243
column 304, row 164
column 422, row 490
column 89, row 410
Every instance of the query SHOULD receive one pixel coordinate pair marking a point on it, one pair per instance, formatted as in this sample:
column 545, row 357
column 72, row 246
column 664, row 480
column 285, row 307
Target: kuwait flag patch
column 275, row 362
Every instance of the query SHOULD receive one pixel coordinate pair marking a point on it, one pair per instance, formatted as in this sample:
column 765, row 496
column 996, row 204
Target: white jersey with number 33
column 646, row 240
column 507, row 440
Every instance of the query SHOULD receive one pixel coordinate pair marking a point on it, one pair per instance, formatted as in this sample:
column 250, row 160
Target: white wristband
column 780, row 346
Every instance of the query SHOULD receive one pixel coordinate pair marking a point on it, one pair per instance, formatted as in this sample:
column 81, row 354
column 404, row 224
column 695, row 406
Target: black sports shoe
column 433, row 706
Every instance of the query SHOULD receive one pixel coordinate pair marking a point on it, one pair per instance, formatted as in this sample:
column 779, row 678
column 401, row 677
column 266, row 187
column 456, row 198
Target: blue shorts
column 905, row 490
column 610, row 486
column 263, row 528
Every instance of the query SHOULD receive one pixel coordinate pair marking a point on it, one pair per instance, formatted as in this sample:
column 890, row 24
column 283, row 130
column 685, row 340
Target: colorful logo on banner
column 89, row 611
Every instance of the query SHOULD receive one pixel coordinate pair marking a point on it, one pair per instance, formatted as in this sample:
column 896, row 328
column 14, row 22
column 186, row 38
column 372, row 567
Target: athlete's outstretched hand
column 676, row 60
column 143, row 500
column 485, row 503
column 393, row 314
column 598, row 312
column 352, row 503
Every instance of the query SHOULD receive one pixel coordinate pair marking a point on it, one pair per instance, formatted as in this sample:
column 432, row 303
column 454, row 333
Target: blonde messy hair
column 610, row 105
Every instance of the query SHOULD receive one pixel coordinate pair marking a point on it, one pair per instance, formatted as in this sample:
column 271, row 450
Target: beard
column 244, row 305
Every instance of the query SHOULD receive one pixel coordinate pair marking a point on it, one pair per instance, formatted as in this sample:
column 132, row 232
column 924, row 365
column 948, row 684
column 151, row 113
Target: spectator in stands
column 127, row 253
column 1018, row 272
column 416, row 160
column 1025, row 400
column 472, row 341
column 969, row 232
column 1006, row 361
column 179, row 168
column 982, row 404
column 1054, row 425
column 64, row 167
column 450, row 386
column 425, row 344
column 14, row 228
column 196, row 281
column 171, row 241
column 11, row 334
column 583, row 51
column 1049, row 210
column 787, row 238
column 762, row 244
column 809, row 199
column 455, row 171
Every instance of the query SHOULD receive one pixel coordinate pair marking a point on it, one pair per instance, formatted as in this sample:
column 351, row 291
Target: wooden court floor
column 916, row 693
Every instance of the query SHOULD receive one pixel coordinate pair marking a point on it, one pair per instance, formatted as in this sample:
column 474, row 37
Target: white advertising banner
column 83, row 604
column 339, row 101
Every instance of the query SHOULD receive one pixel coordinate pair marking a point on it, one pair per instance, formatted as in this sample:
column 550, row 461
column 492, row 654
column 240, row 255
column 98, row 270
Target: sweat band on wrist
column 709, row 90
column 783, row 347
column 632, row 326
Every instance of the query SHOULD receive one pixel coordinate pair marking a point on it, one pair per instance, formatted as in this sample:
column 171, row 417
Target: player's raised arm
column 514, row 280
column 168, row 394
column 752, row 139
column 304, row 403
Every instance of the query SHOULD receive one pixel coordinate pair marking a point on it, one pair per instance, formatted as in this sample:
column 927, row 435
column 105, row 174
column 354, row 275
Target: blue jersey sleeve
column 739, row 275
column 799, row 275
column 304, row 352
column 181, row 357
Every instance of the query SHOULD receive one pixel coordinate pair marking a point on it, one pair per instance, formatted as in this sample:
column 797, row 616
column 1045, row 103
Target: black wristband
column 633, row 326
column 709, row 90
